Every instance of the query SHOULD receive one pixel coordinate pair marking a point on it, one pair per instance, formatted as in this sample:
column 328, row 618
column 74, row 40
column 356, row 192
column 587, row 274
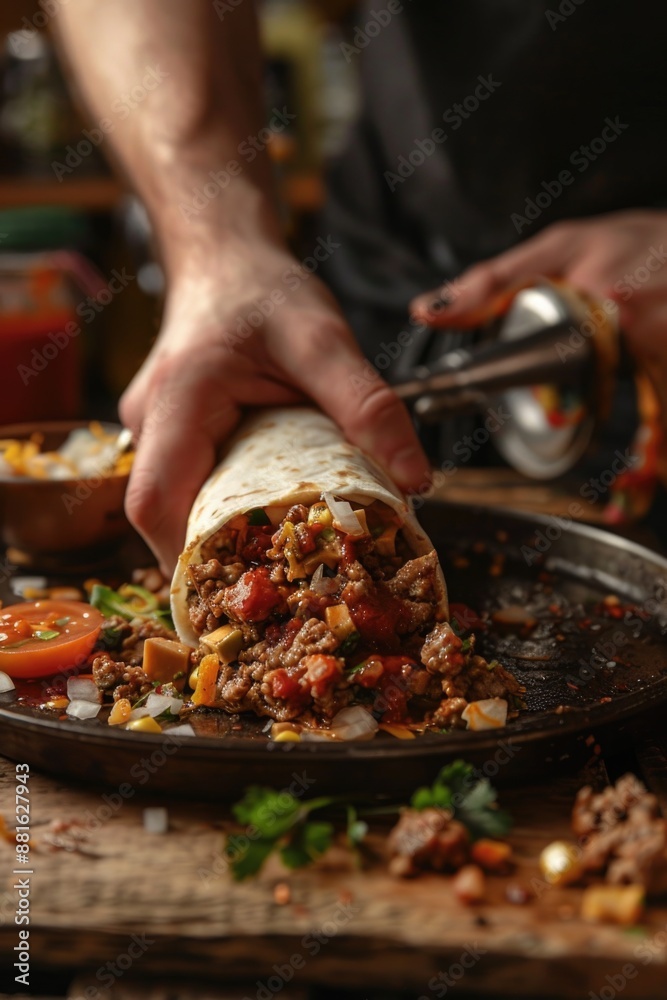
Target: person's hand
column 210, row 361
column 620, row 257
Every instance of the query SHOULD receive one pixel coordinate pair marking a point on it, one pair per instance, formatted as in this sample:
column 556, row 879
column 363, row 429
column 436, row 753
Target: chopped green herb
column 467, row 644
column 278, row 822
column 129, row 602
column 308, row 842
column 349, row 644
column 471, row 799
column 63, row 621
column 258, row 516
column 250, row 859
column 357, row 668
column 492, row 664
column 138, row 599
column 282, row 823
column 45, row 634
column 15, row 645
column 328, row 534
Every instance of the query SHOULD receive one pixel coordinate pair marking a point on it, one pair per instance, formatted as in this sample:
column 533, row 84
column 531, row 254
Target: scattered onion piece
column 316, row 736
column 156, row 704
column 83, row 709
column 6, row 683
column 184, row 729
column 83, row 689
column 353, row 723
column 138, row 713
column 156, row 819
column 321, row 584
column 343, row 515
column 489, row 713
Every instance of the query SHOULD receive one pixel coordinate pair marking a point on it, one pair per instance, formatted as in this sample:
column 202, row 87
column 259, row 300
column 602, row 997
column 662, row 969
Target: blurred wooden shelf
column 88, row 192
column 304, row 191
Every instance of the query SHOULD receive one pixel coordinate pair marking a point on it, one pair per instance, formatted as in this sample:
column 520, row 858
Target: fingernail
column 409, row 468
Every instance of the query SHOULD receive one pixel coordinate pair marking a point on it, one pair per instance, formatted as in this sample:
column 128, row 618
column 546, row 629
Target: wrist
column 216, row 230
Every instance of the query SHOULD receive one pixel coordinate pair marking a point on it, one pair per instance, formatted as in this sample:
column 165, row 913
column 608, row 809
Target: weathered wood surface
column 163, row 989
column 343, row 925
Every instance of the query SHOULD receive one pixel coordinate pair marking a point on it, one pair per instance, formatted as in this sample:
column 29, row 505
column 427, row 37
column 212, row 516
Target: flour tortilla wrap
column 280, row 457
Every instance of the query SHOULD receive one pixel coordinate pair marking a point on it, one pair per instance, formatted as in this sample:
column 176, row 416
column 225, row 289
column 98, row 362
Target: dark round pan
column 592, row 671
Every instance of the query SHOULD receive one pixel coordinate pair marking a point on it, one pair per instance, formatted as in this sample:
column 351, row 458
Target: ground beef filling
column 117, row 668
column 622, row 834
column 330, row 618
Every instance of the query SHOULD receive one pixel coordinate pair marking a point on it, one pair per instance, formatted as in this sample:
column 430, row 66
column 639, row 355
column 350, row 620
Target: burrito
column 307, row 584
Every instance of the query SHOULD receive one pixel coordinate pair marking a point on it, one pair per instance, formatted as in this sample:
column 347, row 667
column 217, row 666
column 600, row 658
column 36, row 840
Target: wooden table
column 163, row 911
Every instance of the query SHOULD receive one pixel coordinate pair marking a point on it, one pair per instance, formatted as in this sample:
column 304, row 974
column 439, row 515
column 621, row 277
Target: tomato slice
column 68, row 630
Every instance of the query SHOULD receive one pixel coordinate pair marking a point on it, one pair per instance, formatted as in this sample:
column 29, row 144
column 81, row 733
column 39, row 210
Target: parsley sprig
column 278, row 822
column 472, row 800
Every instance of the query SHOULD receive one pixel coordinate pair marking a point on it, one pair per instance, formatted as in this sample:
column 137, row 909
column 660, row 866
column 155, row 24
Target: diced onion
column 354, row 723
column 322, row 584
column 6, row 683
column 490, row 713
column 343, row 515
column 83, row 689
column 185, row 729
column 156, row 704
column 316, row 736
column 82, row 709
column 156, row 820
column 138, row 713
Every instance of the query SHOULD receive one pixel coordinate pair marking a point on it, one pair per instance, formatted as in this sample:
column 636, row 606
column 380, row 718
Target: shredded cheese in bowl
column 88, row 452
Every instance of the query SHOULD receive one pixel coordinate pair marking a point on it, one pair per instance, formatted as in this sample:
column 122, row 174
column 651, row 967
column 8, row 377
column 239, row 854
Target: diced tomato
column 306, row 537
column 394, row 664
column 349, row 552
column 377, row 668
column 378, row 619
column 253, row 597
column 395, row 700
column 284, row 685
column 290, row 629
column 257, row 541
column 321, row 672
column 370, row 673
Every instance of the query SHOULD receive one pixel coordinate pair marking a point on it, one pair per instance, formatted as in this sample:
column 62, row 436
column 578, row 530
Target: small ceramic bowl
column 58, row 516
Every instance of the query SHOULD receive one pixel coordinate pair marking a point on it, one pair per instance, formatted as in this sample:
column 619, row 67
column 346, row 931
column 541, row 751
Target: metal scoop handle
column 465, row 378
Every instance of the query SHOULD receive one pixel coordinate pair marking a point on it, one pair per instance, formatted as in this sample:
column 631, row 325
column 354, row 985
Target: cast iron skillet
column 607, row 670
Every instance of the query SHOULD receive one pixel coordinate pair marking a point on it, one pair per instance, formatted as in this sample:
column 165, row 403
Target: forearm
column 206, row 99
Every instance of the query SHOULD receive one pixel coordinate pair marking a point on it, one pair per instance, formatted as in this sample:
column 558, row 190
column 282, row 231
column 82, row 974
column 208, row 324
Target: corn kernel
column 287, row 737
column 145, row 725
column 559, row 863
